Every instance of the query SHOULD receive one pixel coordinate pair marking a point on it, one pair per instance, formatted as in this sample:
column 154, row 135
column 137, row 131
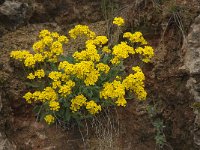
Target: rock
column 192, row 64
column 5, row 144
column 192, row 55
column 14, row 13
column 192, row 58
column 1, row 104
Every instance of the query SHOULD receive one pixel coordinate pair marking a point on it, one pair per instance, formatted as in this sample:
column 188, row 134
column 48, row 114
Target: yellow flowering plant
column 81, row 85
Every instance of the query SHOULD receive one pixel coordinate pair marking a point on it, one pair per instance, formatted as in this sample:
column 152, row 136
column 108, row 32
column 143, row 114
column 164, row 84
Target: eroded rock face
column 14, row 13
column 165, row 83
column 192, row 65
column 192, row 55
column 192, row 59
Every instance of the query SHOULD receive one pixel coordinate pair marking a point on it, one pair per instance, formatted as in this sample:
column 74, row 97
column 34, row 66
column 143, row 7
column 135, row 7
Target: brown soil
column 166, row 84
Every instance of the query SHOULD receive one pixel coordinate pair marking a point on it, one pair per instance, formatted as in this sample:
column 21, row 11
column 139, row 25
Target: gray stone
column 5, row 144
column 14, row 13
column 192, row 65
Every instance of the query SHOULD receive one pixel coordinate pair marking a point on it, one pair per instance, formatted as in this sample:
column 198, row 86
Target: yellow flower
column 135, row 82
column 103, row 67
column 105, row 49
column 115, row 60
column 63, row 39
column 81, row 30
column 31, row 76
column 49, row 119
column 38, row 46
column 100, row 40
column 77, row 102
column 38, row 57
column 44, row 33
column 112, row 90
column 39, row 73
column 147, row 52
column 122, row 50
column 55, row 75
column 66, row 89
column 92, row 107
column 119, row 21
column 30, row 61
column 28, row 96
column 54, row 105
column 47, row 40
column 55, row 34
column 20, row 54
column 56, row 84
column 66, row 67
column 91, row 77
column 121, row 101
column 36, row 95
column 48, row 94
column 136, row 37
column 118, row 77
column 56, row 48
column 90, row 54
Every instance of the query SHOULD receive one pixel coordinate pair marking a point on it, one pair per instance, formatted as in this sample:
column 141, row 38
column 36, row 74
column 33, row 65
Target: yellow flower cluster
column 103, row 67
column 61, row 81
column 92, row 107
column 49, row 119
column 121, row 101
column 91, row 52
column 29, row 59
column 121, row 51
column 98, row 41
column 119, row 21
column 48, row 94
column 66, row 89
column 49, row 47
column 60, row 78
column 66, row 67
column 38, row 73
column 44, row 33
column 114, row 90
column 54, row 105
column 85, row 70
column 87, row 80
column 135, row 82
column 136, row 37
column 105, row 49
column 79, row 30
column 77, row 102
column 80, row 101
column 147, row 52
column 55, row 75
column 28, row 97
column 19, row 54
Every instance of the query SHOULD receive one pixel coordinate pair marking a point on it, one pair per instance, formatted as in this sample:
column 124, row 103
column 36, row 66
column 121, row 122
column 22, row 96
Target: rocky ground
column 171, row 27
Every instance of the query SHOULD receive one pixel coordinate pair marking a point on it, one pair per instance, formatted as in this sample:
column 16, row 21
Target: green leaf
column 106, row 59
column 67, row 116
column 70, row 59
column 53, row 66
column 34, row 85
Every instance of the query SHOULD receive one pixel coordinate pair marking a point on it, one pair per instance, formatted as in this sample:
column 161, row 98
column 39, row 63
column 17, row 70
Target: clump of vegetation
column 158, row 125
column 78, row 86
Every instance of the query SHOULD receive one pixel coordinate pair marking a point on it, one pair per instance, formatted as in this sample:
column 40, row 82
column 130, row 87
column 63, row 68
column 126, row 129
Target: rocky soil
column 172, row 79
